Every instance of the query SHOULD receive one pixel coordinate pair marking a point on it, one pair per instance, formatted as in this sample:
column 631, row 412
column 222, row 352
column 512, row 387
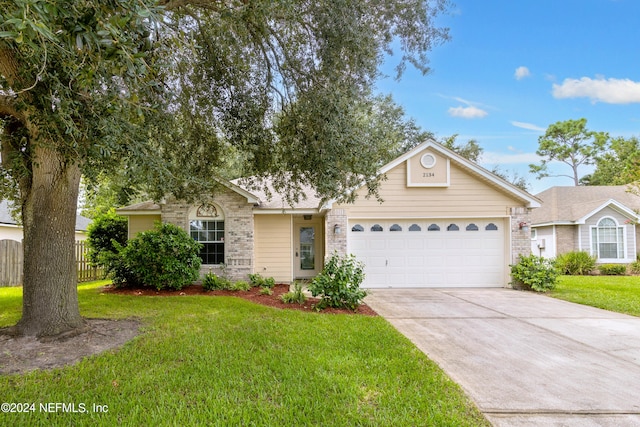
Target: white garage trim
column 452, row 252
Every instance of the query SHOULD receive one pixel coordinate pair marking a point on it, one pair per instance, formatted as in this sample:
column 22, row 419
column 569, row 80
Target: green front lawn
column 225, row 361
column 614, row 293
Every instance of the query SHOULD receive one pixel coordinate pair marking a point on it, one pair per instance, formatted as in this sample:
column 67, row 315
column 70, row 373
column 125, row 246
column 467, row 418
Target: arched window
column 206, row 226
column 377, row 227
column 491, row 227
column 472, row 227
column 607, row 239
column 395, row 227
column 453, row 227
column 357, row 228
column 415, row 227
column 433, row 227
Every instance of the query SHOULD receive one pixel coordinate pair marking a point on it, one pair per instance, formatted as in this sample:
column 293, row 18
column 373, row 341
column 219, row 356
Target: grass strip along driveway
column 225, row 361
column 614, row 293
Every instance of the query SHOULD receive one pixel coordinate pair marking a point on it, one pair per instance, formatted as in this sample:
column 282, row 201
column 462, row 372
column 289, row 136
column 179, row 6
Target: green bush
column 264, row 290
column 256, row 279
column 612, row 269
column 634, row 267
column 294, row 296
column 165, row 257
column 534, row 272
column 104, row 233
column 575, row 263
column 240, row 285
column 338, row 285
column 212, row 282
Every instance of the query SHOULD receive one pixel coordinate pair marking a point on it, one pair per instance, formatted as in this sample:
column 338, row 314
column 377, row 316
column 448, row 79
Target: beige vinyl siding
column 467, row 195
column 273, row 246
column 140, row 223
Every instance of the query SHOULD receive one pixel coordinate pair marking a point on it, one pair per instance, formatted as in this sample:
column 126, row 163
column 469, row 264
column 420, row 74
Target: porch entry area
column 308, row 244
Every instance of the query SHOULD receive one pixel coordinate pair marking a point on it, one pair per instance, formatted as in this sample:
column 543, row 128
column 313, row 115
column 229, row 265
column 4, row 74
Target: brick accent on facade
column 336, row 241
column 566, row 239
column 238, row 235
column 520, row 238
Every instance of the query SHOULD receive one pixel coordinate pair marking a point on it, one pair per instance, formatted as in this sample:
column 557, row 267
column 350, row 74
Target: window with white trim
column 607, row 239
column 206, row 226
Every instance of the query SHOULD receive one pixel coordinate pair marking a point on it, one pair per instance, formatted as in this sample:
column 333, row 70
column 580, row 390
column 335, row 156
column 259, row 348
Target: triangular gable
column 251, row 198
column 613, row 204
column 451, row 156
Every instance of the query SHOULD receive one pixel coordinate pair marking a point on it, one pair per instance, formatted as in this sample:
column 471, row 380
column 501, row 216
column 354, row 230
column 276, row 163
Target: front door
column 307, row 248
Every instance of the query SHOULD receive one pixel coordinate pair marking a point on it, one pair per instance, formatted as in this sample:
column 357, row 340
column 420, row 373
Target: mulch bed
column 251, row 295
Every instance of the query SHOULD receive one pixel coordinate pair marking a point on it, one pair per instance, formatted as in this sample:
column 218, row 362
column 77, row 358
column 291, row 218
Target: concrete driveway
column 525, row 359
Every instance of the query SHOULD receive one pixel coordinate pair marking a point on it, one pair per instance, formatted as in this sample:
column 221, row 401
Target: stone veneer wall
column 520, row 239
column 238, row 236
column 333, row 241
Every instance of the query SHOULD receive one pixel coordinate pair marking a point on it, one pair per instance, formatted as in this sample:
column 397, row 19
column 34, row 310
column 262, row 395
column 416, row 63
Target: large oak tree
column 165, row 92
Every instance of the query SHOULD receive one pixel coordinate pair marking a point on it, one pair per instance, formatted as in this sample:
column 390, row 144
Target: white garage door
column 438, row 253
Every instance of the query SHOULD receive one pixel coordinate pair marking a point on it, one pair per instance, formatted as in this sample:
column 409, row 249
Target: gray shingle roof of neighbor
column 5, row 217
column 567, row 204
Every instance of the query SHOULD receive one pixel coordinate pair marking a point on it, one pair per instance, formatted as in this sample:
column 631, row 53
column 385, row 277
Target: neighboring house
column 11, row 230
column 597, row 219
column 444, row 221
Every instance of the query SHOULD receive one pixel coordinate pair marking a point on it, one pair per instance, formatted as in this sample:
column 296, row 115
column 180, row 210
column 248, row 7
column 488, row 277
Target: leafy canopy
column 617, row 166
column 167, row 93
column 571, row 143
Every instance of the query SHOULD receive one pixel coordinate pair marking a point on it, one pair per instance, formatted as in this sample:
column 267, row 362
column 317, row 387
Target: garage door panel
column 423, row 258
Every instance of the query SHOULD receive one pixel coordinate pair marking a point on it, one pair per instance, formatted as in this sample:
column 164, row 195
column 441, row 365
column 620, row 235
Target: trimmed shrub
column 576, row 263
column 612, row 269
column 634, row 267
column 256, row 279
column 212, row 282
column 104, row 233
column 338, row 285
column 534, row 272
column 265, row 290
column 240, row 285
column 166, row 257
column 294, row 296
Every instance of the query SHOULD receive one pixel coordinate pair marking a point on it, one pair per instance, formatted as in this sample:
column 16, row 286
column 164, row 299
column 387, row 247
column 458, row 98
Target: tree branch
column 211, row 5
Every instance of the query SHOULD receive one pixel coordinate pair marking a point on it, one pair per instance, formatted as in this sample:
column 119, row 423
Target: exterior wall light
column 523, row 226
column 337, row 229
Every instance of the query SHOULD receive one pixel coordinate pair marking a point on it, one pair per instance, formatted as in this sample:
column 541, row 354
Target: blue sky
column 513, row 67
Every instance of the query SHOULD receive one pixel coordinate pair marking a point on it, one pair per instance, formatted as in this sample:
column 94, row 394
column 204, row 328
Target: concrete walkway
column 525, row 359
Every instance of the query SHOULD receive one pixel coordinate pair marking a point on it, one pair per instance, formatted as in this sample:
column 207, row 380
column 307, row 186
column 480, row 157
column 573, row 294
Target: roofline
column 532, row 201
column 272, row 211
column 122, row 211
column 614, row 204
column 549, row 223
column 251, row 198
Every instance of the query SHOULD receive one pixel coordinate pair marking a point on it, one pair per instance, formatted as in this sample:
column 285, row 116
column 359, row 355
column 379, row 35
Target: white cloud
column 469, row 112
column 611, row 91
column 527, row 126
column 522, row 72
column 495, row 158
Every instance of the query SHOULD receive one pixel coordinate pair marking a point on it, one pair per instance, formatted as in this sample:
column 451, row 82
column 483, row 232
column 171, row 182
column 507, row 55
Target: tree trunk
column 50, row 296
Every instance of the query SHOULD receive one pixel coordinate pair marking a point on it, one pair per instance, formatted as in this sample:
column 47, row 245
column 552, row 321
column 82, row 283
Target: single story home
column 600, row 220
column 444, row 222
column 10, row 229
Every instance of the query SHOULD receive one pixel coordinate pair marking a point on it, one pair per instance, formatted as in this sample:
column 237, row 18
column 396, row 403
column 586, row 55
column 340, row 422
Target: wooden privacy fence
column 11, row 263
column 86, row 271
